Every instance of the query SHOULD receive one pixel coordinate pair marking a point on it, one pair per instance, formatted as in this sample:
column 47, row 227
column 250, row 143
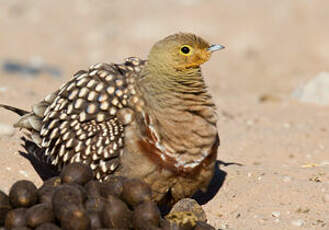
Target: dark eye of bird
column 185, row 50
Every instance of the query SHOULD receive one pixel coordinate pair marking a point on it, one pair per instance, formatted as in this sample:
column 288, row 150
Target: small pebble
column 268, row 98
column 6, row 130
column 286, row 179
column 321, row 147
column 24, row 173
column 326, row 198
column 298, row 223
column 225, row 226
column 250, row 122
column 276, row 214
column 324, row 163
column 191, row 205
column 287, row 125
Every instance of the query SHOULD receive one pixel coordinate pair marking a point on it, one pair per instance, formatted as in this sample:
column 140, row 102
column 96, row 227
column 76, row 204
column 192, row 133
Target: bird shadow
column 215, row 184
column 34, row 154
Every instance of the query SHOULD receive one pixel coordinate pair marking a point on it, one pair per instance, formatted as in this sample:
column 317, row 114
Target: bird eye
column 185, row 50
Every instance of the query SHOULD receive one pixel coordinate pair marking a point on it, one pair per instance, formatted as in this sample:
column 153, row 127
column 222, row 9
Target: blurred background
column 273, row 48
column 271, row 45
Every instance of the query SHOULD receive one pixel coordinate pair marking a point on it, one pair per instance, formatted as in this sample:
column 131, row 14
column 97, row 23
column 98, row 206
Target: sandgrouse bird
column 151, row 119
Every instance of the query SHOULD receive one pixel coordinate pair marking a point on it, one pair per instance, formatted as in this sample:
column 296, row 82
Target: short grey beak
column 215, row 47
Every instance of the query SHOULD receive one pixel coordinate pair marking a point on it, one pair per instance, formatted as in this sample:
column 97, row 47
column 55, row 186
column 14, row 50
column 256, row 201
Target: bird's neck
column 166, row 89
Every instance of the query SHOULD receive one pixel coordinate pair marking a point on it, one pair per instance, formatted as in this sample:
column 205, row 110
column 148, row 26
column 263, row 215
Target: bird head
column 181, row 52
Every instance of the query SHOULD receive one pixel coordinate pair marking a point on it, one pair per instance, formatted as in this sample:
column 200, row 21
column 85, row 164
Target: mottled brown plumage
column 153, row 119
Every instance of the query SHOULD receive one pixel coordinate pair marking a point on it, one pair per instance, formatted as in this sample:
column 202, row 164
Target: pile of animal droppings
column 75, row 201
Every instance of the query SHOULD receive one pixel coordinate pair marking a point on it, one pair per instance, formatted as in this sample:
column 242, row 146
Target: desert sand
column 273, row 162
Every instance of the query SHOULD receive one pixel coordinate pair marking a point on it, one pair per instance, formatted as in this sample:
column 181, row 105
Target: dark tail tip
column 14, row 109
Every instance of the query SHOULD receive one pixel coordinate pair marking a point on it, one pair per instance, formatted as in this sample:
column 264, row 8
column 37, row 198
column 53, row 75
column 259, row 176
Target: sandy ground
column 280, row 146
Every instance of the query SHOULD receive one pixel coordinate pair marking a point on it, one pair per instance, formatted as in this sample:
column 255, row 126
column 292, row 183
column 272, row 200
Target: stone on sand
column 6, row 130
column 315, row 91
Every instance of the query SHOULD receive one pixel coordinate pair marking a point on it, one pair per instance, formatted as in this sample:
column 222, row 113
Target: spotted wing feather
column 79, row 122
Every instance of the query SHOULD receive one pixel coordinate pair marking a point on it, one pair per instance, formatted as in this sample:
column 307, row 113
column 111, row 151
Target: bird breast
column 178, row 138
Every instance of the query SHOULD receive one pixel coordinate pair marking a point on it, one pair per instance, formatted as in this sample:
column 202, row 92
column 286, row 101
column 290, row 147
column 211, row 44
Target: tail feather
column 28, row 120
column 32, row 123
column 14, row 109
column 24, row 122
column 36, row 156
